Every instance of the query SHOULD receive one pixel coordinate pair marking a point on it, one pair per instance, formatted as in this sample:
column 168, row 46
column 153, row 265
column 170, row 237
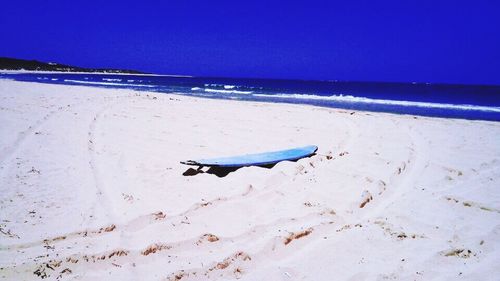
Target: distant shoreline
column 9, row 71
column 23, row 66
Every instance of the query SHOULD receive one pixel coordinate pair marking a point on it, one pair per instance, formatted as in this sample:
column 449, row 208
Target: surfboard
column 258, row 159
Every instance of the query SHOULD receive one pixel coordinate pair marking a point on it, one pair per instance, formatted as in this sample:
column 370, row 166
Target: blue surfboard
column 259, row 159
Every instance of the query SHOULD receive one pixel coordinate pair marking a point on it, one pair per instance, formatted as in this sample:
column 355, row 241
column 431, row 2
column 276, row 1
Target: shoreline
column 93, row 188
column 467, row 107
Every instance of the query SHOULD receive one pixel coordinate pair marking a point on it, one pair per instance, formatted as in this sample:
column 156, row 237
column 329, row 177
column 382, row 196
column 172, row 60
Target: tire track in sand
column 405, row 175
column 102, row 196
column 8, row 152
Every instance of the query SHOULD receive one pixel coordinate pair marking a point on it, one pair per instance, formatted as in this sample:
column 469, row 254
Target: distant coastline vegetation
column 34, row 65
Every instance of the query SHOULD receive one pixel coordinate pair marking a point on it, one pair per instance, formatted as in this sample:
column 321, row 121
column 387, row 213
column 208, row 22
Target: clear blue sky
column 425, row 41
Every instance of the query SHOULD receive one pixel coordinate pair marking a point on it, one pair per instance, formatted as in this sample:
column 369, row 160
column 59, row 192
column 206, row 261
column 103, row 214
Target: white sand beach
column 91, row 188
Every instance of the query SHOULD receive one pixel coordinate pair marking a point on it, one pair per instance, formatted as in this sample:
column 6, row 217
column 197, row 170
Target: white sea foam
column 111, row 80
column 54, row 79
column 228, row 91
column 107, row 83
column 227, row 87
column 221, row 91
column 352, row 99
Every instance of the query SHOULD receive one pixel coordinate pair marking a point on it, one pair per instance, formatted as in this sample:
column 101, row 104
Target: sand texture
column 91, row 188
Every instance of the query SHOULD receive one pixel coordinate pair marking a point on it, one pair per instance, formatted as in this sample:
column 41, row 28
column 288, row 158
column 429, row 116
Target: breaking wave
column 107, row 83
column 228, row 91
column 220, row 91
column 352, row 99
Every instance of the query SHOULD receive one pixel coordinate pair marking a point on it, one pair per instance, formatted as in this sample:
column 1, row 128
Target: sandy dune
column 91, row 188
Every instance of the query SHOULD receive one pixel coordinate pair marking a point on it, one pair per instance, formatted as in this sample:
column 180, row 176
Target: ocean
column 476, row 102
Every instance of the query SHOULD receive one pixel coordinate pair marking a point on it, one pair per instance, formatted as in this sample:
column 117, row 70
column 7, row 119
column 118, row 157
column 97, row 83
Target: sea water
column 478, row 102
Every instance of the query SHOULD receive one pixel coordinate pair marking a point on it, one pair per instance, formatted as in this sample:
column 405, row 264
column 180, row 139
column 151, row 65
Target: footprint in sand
column 366, row 197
